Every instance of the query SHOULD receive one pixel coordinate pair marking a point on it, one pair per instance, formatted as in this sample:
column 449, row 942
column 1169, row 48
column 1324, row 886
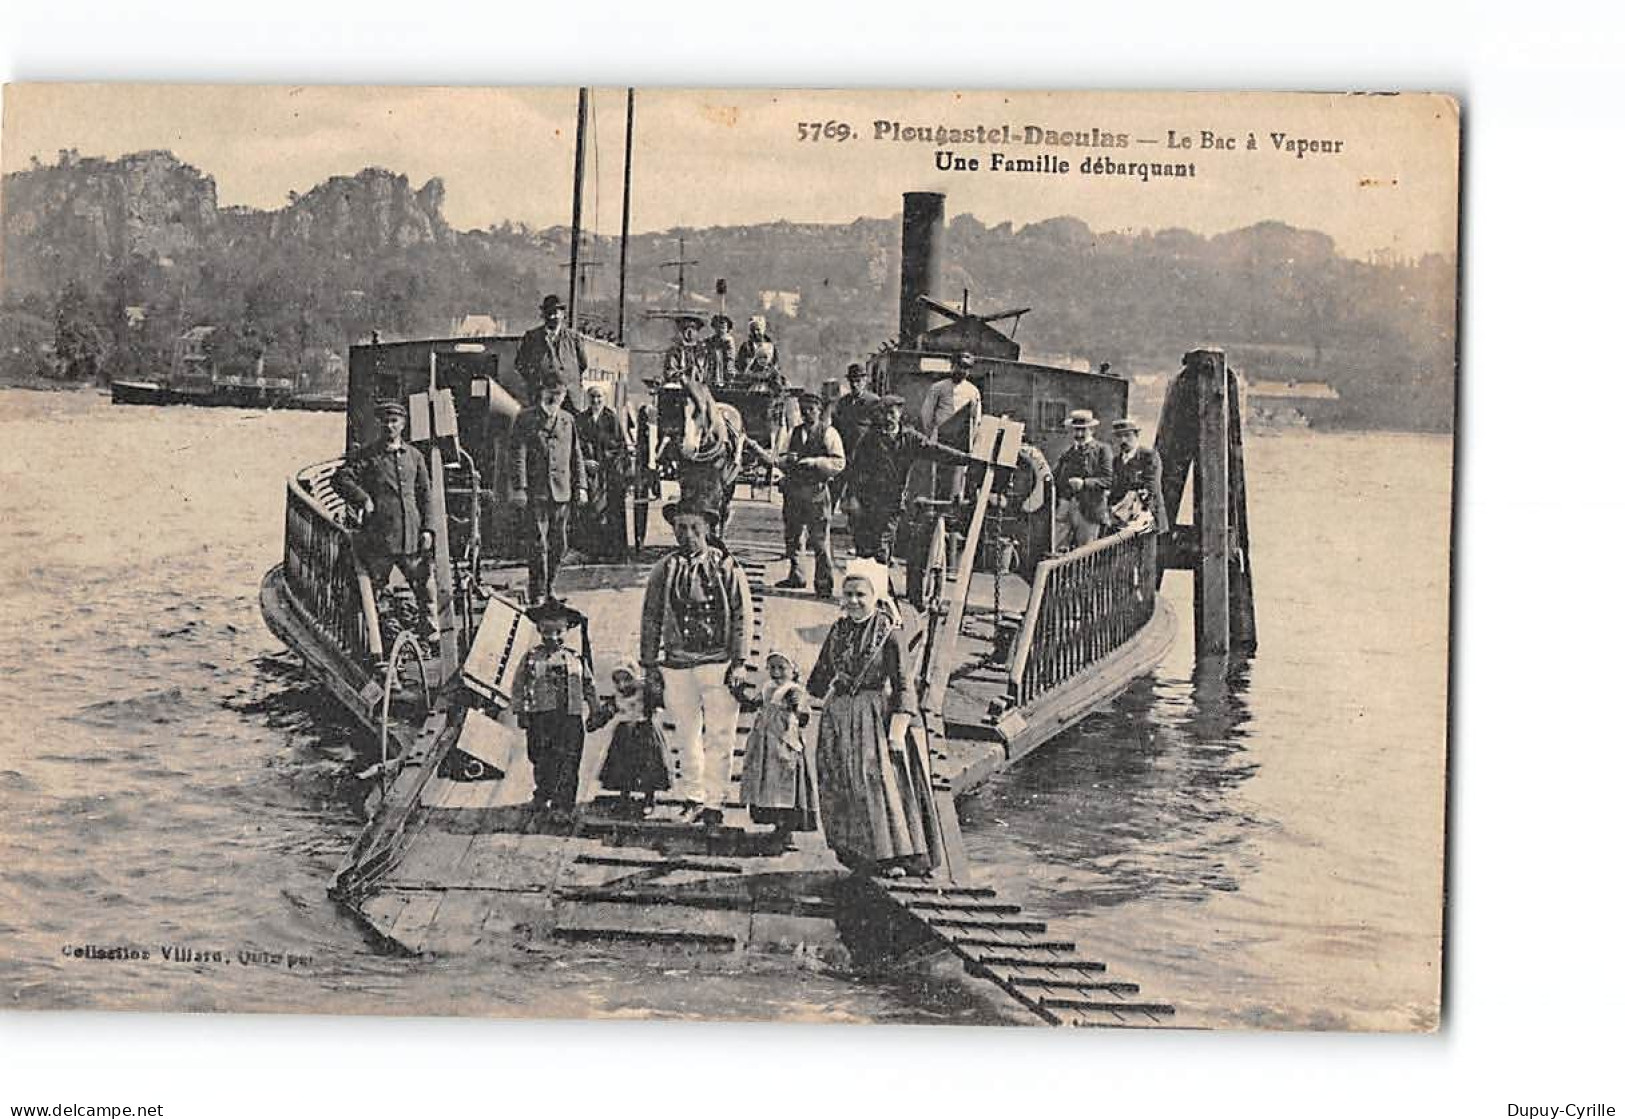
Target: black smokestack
column 922, row 257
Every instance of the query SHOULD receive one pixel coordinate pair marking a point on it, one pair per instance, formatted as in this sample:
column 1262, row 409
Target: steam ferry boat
column 1015, row 642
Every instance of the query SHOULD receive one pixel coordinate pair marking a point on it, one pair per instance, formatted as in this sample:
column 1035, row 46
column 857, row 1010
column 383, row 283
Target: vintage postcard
column 832, row 556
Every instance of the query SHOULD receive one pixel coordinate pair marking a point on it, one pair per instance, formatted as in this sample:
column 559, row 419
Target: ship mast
column 575, row 205
column 626, row 221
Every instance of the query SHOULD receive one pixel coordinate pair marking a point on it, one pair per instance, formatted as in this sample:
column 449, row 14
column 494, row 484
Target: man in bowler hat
column 550, row 356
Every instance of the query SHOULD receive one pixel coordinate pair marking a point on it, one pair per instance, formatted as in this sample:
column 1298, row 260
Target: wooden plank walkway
column 1045, row 975
column 475, row 868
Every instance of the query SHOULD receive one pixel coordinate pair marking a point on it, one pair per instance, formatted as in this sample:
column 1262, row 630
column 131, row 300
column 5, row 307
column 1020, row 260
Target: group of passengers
column 866, row 784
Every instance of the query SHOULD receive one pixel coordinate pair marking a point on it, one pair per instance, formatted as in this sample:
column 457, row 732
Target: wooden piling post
column 1212, row 504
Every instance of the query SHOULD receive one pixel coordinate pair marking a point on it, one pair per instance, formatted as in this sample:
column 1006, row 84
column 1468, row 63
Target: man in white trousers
column 696, row 614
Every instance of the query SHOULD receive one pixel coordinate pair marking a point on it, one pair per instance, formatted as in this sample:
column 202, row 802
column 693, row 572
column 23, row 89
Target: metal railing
column 1084, row 604
column 319, row 567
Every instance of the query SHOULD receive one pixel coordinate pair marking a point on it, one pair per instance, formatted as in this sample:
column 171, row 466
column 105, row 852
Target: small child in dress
column 553, row 695
column 778, row 785
column 636, row 759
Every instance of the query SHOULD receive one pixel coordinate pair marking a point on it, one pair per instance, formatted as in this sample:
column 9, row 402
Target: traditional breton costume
column 778, row 784
column 875, row 799
column 636, row 759
column 553, row 696
column 696, row 610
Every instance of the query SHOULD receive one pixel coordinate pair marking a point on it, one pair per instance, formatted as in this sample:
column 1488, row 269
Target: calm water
column 1260, row 846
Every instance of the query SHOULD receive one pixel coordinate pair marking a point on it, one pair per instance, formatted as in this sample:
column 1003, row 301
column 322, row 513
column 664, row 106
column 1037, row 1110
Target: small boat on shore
column 195, row 377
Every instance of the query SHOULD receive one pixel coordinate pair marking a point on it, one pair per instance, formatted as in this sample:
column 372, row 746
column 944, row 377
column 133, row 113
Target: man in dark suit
column 549, row 475
column 551, row 356
column 1083, row 478
column 852, row 415
column 1138, row 471
column 879, row 471
column 388, row 480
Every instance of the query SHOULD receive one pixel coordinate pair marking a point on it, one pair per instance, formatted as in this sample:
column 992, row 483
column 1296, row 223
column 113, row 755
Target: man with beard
column 811, row 457
column 1083, row 478
column 549, row 475
column 605, row 453
column 1137, row 473
column 550, row 356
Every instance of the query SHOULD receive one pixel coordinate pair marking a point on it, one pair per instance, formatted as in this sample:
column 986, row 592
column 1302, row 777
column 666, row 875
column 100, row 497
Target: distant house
column 477, row 326
column 785, row 303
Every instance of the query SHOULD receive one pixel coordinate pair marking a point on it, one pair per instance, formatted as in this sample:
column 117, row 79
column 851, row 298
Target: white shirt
column 944, row 400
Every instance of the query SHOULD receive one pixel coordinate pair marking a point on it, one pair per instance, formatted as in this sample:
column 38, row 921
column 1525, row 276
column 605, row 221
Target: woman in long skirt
column 777, row 784
column 873, row 784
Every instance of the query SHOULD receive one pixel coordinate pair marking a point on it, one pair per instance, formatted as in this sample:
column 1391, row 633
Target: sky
column 727, row 157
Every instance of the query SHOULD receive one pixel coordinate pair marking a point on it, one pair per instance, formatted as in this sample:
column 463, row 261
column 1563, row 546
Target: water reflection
column 1137, row 803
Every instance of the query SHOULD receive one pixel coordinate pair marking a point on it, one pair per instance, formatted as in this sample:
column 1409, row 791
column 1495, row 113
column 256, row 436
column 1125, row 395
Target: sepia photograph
column 821, row 556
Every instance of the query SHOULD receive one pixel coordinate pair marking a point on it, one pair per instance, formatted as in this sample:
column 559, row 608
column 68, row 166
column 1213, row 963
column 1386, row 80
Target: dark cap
column 810, row 396
column 892, row 400
column 686, row 317
column 386, row 408
column 721, row 320
column 552, row 303
column 855, row 370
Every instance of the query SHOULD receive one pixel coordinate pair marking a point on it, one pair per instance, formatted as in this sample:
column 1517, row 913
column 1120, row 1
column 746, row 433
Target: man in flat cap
column 549, row 474
column 812, row 455
column 551, row 356
column 388, row 480
column 696, row 619
column 879, row 474
column 1083, row 478
column 852, row 414
column 1138, row 472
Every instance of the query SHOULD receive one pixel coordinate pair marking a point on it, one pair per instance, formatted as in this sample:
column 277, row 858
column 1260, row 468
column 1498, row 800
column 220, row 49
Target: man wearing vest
column 696, row 610
column 813, row 455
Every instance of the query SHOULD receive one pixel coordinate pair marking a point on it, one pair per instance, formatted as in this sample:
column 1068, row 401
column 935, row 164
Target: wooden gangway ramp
column 1046, row 975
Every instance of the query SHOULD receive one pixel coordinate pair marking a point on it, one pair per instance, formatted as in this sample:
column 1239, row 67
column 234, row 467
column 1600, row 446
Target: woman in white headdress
column 874, row 787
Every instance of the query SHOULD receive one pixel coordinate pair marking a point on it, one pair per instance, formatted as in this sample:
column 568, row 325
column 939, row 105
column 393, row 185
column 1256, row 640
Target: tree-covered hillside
column 107, row 261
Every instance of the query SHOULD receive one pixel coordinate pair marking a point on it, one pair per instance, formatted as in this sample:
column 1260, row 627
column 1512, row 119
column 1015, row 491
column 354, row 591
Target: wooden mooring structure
column 1199, row 436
